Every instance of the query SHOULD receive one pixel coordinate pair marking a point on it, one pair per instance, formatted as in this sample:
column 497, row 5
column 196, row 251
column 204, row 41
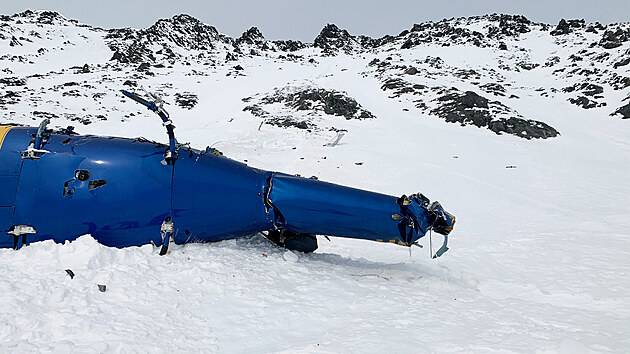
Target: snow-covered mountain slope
column 518, row 128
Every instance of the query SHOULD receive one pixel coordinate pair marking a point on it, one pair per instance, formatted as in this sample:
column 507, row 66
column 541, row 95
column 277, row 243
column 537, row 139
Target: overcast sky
column 303, row 20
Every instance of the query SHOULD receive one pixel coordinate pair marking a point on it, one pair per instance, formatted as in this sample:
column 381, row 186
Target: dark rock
column 586, row 88
column 411, row 71
column 130, row 83
column 85, row 120
column 85, row 69
column 238, row 67
column 508, row 25
column 252, row 36
column 624, row 61
column 613, row 39
column 466, row 74
column 279, row 121
column 332, row 102
column 576, row 23
column 187, row 32
column 287, row 122
column 585, row 102
column 393, row 84
column 470, row 108
column 619, row 82
column 10, row 97
column 468, row 100
column 42, row 115
column 494, row 88
column 527, row 66
column 409, row 43
column 562, row 28
column 311, row 99
column 72, row 93
column 186, row 100
column 12, row 81
column 14, row 42
column 624, row 111
column 611, row 44
column 601, row 57
column 502, row 46
column 332, row 38
column 143, row 67
column 592, row 90
column 289, row 45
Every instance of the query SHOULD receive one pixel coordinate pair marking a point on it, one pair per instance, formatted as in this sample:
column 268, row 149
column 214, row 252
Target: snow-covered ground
column 539, row 258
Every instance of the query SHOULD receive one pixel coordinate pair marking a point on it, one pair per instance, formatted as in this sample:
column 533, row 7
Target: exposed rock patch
column 12, row 81
column 623, row 111
column 186, row 100
column 586, row 103
column 613, row 39
column 310, row 101
column 471, row 109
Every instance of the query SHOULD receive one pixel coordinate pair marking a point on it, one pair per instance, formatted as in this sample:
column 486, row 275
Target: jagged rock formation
column 566, row 27
column 590, row 60
column 185, row 31
column 332, row 39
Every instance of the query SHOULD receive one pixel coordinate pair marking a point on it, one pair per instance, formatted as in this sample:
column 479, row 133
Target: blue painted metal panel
column 6, row 221
column 8, row 187
column 315, row 207
column 128, row 210
column 216, row 198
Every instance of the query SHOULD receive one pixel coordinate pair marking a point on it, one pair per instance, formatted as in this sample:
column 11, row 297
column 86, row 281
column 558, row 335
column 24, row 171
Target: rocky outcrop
column 613, row 39
column 186, row 100
column 311, row 101
column 185, row 31
column 623, row 111
column 332, row 39
column 566, row 27
column 12, row 81
column 469, row 108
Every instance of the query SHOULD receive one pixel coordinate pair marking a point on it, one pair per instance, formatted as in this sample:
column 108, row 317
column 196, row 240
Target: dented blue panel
column 315, row 207
column 216, row 198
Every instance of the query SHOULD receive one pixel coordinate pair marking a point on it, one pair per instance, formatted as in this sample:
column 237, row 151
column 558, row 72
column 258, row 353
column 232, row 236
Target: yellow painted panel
column 4, row 130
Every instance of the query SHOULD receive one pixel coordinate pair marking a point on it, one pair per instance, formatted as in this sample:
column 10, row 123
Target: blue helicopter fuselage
column 121, row 191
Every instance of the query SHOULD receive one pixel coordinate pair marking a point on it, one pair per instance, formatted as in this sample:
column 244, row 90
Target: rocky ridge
column 591, row 61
